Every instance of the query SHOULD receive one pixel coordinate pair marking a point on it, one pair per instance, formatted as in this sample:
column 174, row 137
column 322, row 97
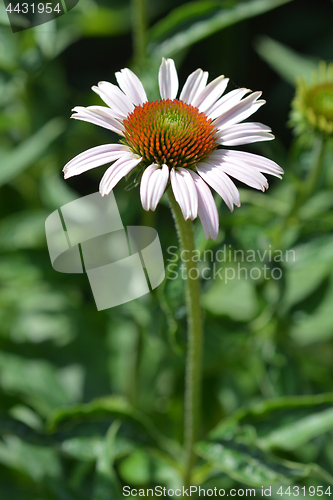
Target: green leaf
column 23, row 230
column 89, row 449
column 135, row 425
column 30, row 150
column 136, row 468
column 107, row 484
column 36, row 381
column 315, row 327
column 312, row 263
column 12, row 426
column 285, row 423
column 182, row 15
column 205, row 19
column 252, row 467
column 33, row 460
column 290, row 437
column 266, row 409
column 285, row 61
column 54, row 191
column 224, row 296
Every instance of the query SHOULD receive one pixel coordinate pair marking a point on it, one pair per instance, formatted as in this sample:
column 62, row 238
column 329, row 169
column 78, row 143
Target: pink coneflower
column 178, row 140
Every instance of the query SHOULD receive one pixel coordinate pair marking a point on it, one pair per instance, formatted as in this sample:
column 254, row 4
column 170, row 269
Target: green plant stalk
column 311, row 182
column 192, row 403
column 307, row 189
column 316, row 172
column 139, row 29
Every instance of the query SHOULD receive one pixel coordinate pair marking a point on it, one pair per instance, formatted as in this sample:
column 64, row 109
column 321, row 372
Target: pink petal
column 221, row 183
column 210, row 94
column 94, row 157
column 238, row 169
column 117, row 171
column 153, row 184
column 131, row 85
column 168, row 79
column 95, row 115
column 244, row 133
column 245, row 108
column 194, row 85
column 207, row 210
column 257, row 162
column 185, row 192
column 114, row 98
column 226, row 102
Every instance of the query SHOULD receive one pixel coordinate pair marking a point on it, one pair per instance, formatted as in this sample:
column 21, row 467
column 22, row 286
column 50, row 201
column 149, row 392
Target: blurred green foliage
column 91, row 401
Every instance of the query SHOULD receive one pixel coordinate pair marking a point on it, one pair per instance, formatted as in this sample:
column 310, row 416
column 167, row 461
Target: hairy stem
column 194, row 352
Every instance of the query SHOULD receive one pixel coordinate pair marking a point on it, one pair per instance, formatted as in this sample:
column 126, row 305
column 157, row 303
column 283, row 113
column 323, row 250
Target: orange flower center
column 169, row 132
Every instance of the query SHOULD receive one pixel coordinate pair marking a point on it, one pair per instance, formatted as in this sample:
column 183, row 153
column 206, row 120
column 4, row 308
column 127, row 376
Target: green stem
column 139, row 28
column 313, row 178
column 192, row 402
column 317, row 169
column 307, row 189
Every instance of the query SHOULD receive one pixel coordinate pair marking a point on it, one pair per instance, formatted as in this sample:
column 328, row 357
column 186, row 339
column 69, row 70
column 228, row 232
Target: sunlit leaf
column 30, row 150
column 299, row 432
column 137, row 468
column 36, row 381
column 268, row 406
column 285, row 61
column 252, row 467
column 23, row 230
column 311, row 264
column 35, row 461
column 54, row 190
column 195, row 21
column 316, row 327
column 89, row 448
column 229, row 288
column 107, row 484
column 135, row 425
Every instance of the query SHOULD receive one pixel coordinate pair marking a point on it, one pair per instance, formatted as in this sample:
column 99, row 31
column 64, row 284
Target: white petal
column 117, row 171
column 238, row 169
column 256, row 161
column 245, row 108
column 194, row 85
column 131, row 85
column 98, row 115
column 152, row 186
column 244, row 133
column 168, row 79
column 94, row 157
column 185, row 192
column 222, row 184
column 226, row 102
column 114, row 98
column 210, row 94
column 207, row 210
